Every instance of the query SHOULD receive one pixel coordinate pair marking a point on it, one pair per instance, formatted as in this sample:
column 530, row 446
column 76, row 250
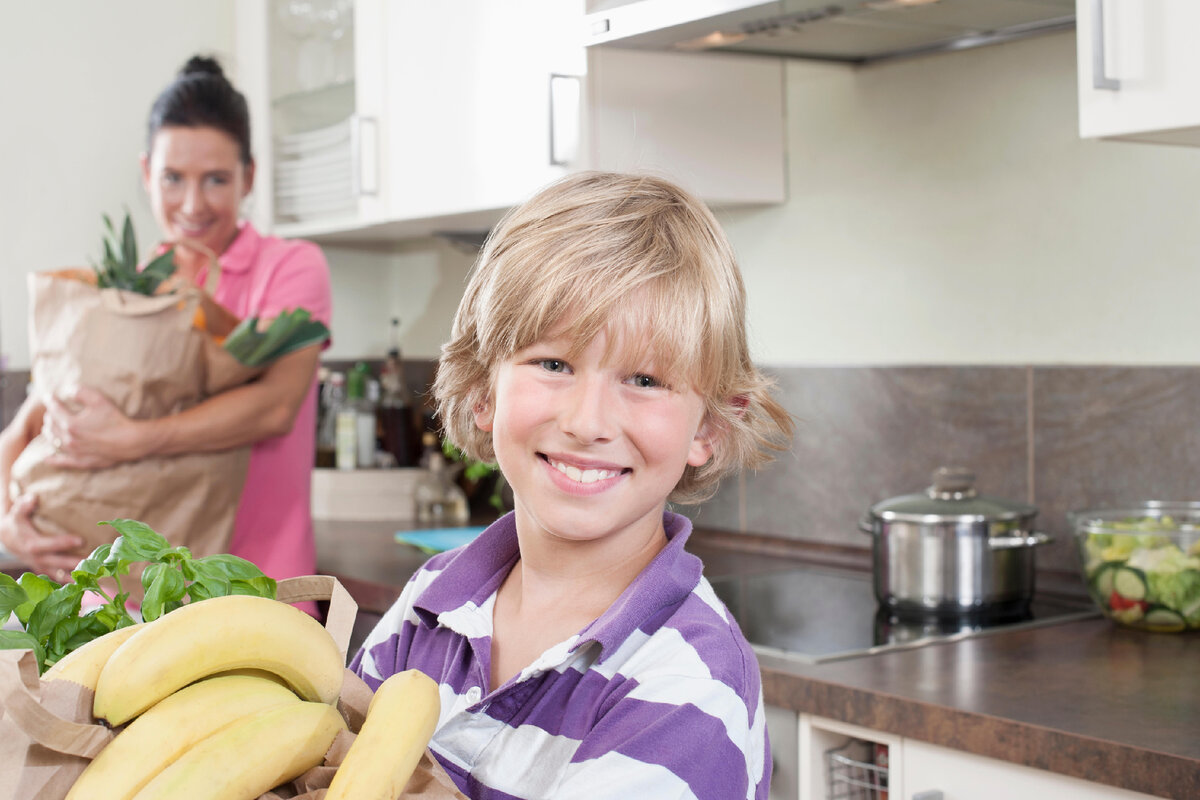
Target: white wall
column 79, row 79
column 420, row 282
column 944, row 210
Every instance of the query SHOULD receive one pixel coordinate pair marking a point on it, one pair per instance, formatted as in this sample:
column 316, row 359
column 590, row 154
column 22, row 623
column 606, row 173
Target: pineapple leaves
column 118, row 268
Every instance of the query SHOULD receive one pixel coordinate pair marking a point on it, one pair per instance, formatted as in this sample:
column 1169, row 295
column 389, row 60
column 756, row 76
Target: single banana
column 251, row 756
column 217, row 635
column 400, row 721
column 83, row 664
column 169, row 728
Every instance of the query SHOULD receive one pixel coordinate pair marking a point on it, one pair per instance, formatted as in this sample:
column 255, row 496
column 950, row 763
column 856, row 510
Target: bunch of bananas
column 233, row 696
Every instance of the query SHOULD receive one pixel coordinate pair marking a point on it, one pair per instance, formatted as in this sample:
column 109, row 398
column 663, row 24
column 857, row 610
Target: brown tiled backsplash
column 1062, row 438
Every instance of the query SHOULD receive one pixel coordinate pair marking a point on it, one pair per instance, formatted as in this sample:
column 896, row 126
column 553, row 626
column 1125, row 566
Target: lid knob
column 952, row 483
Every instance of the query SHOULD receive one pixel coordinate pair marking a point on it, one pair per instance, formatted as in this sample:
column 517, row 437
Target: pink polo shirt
column 263, row 276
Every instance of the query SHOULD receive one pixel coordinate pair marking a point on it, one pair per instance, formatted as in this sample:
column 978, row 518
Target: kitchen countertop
column 1081, row 698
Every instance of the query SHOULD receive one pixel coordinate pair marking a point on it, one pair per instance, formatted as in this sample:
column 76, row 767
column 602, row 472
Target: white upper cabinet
column 422, row 117
column 1139, row 70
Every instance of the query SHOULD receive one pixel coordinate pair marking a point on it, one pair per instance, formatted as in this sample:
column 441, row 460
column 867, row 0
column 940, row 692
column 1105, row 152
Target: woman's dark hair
column 202, row 97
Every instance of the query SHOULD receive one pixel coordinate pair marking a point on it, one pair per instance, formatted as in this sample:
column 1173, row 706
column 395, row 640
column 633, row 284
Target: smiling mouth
column 584, row 475
column 191, row 227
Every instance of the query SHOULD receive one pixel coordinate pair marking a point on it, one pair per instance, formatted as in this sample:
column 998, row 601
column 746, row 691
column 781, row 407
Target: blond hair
column 597, row 251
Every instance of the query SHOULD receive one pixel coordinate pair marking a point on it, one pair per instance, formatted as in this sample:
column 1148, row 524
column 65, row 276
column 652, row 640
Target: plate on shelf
column 316, row 139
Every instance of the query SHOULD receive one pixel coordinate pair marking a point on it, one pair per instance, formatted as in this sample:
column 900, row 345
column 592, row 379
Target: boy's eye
column 645, row 381
column 552, row 365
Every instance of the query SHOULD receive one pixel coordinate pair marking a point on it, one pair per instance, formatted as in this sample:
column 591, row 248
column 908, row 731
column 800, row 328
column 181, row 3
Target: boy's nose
column 587, row 413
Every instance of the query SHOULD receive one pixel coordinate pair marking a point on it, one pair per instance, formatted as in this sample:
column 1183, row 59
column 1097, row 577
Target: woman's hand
column 89, row 432
column 44, row 555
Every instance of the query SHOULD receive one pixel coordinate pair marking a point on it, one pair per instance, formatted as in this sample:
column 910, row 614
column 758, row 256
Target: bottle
column 367, row 443
column 395, row 411
column 333, row 397
column 439, row 500
column 347, row 421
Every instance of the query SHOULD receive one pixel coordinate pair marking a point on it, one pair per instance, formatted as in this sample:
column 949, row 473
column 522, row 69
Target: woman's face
column 196, row 182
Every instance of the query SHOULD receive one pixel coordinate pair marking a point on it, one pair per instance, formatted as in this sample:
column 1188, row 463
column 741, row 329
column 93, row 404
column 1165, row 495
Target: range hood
column 853, row 31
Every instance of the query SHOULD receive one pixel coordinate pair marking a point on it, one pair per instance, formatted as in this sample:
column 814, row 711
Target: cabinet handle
column 565, row 91
column 364, row 155
column 929, row 794
column 1100, row 79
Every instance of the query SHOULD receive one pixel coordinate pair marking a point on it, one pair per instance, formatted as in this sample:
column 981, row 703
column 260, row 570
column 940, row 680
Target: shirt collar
column 243, row 250
column 474, row 573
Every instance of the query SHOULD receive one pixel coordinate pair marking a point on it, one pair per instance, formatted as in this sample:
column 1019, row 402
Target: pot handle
column 865, row 524
column 1034, row 539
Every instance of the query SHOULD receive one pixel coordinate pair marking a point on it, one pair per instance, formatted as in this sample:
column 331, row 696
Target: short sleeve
column 299, row 280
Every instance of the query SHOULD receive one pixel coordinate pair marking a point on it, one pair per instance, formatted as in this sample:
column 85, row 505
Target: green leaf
column 210, row 581
column 163, row 585
column 200, row 590
column 63, row 603
column 118, row 268
column 72, row 632
column 111, row 618
column 19, row 640
column 36, row 588
column 129, row 244
column 137, row 542
column 256, row 587
column 230, row 566
column 289, row 331
column 11, row 595
column 156, row 271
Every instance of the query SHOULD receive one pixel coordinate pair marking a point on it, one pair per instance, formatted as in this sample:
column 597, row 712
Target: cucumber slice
column 1130, row 583
column 1161, row 618
column 1102, row 580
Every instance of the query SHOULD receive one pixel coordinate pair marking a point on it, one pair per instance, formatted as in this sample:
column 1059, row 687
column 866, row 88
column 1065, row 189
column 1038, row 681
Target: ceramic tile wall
column 1061, row 438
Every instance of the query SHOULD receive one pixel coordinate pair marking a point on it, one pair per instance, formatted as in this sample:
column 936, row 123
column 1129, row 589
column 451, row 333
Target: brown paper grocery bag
column 147, row 355
column 47, row 734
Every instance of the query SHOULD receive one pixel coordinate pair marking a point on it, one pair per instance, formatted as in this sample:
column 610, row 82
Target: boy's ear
column 703, row 443
column 708, row 436
column 484, row 416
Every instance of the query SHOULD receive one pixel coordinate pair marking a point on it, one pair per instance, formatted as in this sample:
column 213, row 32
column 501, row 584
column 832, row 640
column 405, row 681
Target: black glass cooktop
column 817, row 614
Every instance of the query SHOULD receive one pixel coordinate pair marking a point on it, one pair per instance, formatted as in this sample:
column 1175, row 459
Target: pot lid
column 951, row 496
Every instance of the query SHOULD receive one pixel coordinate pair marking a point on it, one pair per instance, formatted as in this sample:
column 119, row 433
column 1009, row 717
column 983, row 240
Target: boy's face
column 591, row 447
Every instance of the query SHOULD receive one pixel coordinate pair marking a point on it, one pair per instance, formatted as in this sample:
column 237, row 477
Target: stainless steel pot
column 949, row 551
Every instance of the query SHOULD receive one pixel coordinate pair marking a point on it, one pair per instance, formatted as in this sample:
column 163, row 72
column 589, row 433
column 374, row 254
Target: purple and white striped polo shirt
column 660, row 697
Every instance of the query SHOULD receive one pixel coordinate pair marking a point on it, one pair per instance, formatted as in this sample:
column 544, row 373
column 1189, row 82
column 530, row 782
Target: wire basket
column 857, row 771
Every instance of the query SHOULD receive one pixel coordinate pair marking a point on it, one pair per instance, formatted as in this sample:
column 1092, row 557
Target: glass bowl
column 1141, row 563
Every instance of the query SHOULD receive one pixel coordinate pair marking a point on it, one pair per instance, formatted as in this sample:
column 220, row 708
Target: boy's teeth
column 583, row 475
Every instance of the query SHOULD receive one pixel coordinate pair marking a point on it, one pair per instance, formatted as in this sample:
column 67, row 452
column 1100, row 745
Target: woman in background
column 197, row 170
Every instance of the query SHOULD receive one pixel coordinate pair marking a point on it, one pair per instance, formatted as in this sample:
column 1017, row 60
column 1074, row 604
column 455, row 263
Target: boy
column 599, row 356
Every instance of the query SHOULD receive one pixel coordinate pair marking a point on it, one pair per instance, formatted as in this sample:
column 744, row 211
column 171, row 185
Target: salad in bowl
column 1141, row 564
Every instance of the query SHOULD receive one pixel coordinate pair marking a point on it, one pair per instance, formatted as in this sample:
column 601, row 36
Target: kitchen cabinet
column 922, row 771
column 1139, row 70
column 783, row 732
column 455, row 111
column 316, row 97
